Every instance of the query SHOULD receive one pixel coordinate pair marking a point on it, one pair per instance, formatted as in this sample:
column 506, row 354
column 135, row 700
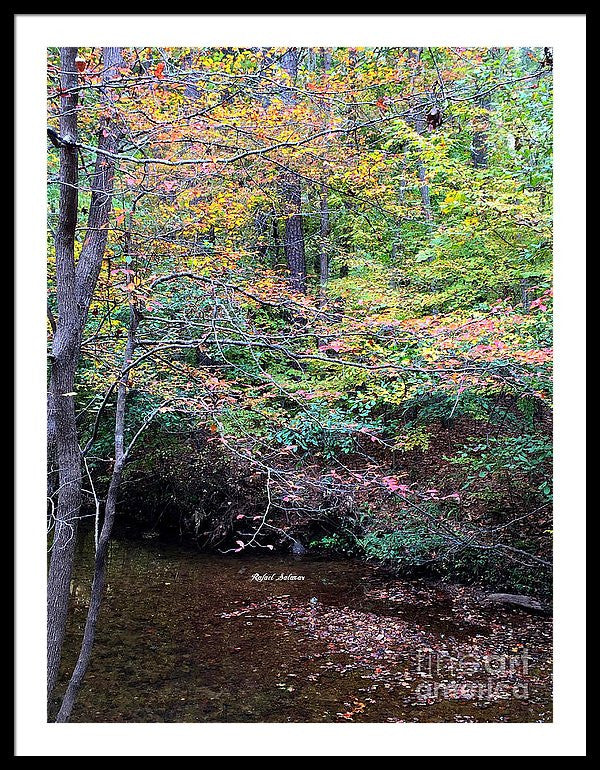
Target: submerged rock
column 517, row 600
column 298, row 549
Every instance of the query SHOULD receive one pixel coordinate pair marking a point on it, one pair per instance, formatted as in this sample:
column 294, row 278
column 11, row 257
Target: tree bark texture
column 65, row 351
column 293, row 242
column 75, row 284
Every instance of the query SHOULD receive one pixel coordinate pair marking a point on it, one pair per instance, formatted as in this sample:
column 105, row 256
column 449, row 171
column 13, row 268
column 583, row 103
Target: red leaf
column 393, row 485
column 159, row 70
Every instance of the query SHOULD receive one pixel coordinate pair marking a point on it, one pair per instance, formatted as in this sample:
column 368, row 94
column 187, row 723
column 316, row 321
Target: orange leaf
column 159, row 70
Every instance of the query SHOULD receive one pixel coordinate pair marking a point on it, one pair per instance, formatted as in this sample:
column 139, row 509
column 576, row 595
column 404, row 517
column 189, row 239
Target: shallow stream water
column 189, row 637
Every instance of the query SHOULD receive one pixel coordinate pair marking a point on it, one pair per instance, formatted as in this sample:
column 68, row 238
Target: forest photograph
column 299, row 390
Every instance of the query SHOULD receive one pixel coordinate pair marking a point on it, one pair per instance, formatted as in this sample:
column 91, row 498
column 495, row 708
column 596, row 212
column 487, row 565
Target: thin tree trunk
column 397, row 244
column 324, row 206
column 419, row 125
column 425, row 196
column 75, row 286
column 479, row 149
column 293, row 243
column 262, row 233
column 105, row 534
column 109, row 136
column 349, row 202
column 323, row 246
column 525, row 294
column 479, row 144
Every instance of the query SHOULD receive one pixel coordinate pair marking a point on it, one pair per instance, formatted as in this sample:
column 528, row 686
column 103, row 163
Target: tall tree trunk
column 109, row 137
column 323, row 246
column 420, row 125
column 100, row 563
column 425, row 196
column 349, row 202
column 293, row 243
column 479, row 149
column 261, row 223
column 398, row 243
column 75, row 286
column 479, row 144
column 324, row 206
column 65, row 352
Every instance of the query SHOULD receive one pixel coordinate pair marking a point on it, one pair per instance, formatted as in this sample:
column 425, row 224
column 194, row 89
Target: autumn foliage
column 425, row 325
